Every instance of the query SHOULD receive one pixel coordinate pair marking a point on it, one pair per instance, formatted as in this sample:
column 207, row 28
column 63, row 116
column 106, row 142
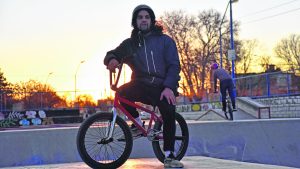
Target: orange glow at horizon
column 40, row 37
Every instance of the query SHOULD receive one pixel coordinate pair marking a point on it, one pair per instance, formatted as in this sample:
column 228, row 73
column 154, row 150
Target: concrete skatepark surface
column 190, row 162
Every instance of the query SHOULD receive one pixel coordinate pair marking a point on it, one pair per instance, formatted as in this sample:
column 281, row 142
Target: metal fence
column 255, row 86
column 269, row 84
column 272, row 84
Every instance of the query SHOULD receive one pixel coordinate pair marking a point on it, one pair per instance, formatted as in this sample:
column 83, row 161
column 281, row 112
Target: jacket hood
column 137, row 10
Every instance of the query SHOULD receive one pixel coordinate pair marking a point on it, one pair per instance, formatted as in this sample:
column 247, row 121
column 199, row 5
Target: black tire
column 226, row 116
column 230, row 110
column 111, row 154
column 181, row 139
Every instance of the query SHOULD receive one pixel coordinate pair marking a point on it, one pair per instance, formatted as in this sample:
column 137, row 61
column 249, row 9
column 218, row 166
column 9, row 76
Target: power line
column 268, row 9
column 272, row 16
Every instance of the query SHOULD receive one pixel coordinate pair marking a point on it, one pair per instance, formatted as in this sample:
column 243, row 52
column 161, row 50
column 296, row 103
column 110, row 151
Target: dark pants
column 139, row 92
column 227, row 85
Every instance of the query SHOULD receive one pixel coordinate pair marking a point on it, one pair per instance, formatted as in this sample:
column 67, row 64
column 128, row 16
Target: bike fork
column 110, row 129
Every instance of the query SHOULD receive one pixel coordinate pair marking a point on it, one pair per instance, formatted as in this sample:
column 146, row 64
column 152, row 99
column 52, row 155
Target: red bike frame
column 118, row 100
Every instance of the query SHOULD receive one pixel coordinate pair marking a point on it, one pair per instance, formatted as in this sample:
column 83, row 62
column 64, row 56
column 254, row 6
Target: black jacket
column 154, row 59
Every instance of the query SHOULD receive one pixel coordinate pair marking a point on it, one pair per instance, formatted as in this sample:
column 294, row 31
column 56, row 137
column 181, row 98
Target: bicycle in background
column 229, row 113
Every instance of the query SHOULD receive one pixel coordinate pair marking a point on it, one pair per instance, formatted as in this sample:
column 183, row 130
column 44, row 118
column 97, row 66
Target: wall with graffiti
column 39, row 117
column 198, row 107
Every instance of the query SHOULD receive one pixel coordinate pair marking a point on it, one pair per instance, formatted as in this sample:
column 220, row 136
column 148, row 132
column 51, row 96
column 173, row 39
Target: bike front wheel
column 181, row 139
column 99, row 151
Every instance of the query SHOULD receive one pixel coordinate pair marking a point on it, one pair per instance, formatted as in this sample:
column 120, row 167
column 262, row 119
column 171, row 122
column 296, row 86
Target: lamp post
column 231, row 52
column 231, row 38
column 51, row 73
column 231, row 34
column 45, row 89
column 220, row 30
column 48, row 77
column 76, row 80
column 232, row 46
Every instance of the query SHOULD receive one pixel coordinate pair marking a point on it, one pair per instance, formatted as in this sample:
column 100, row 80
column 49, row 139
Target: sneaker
column 170, row 162
column 135, row 132
column 234, row 109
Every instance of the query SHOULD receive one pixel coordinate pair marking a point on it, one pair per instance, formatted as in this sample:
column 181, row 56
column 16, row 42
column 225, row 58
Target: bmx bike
column 98, row 138
column 229, row 112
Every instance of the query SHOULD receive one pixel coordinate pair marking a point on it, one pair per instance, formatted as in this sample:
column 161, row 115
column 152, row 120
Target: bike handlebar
column 113, row 80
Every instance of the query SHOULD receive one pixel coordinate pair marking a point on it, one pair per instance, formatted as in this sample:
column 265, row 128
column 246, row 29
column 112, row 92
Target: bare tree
column 197, row 40
column 207, row 45
column 264, row 62
column 37, row 95
column 288, row 49
column 246, row 55
column 178, row 25
column 6, row 99
column 85, row 100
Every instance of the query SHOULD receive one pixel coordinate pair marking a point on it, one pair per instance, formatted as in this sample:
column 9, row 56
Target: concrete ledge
column 274, row 142
column 253, row 107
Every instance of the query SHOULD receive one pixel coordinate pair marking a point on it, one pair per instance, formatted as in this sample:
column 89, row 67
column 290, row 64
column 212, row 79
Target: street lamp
column 45, row 89
column 48, row 77
column 231, row 39
column 232, row 46
column 76, row 79
column 231, row 52
column 220, row 30
column 231, row 34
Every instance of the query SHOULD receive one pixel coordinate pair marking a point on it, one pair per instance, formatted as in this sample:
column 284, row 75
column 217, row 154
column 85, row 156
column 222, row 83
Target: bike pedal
column 138, row 136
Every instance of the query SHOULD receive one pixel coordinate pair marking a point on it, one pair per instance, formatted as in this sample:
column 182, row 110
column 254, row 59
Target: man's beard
column 145, row 28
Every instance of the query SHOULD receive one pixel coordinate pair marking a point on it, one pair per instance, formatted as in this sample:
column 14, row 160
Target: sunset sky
column 46, row 40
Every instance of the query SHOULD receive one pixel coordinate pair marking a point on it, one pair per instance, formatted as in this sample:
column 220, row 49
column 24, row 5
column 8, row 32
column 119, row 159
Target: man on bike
column 153, row 59
column 226, row 84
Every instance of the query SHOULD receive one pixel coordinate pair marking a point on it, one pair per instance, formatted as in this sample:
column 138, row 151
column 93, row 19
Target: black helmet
column 137, row 10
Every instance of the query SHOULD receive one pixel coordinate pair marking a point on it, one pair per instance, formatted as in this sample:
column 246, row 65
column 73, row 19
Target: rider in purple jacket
column 226, row 84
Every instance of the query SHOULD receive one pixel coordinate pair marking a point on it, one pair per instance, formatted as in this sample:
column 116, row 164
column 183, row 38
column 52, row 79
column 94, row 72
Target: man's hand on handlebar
column 112, row 65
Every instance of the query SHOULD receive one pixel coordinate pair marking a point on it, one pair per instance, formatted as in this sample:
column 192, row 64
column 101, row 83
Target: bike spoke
column 105, row 153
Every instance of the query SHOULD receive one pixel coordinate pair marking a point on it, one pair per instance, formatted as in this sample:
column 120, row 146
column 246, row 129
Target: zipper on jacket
column 153, row 61
column 146, row 56
column 152, row 79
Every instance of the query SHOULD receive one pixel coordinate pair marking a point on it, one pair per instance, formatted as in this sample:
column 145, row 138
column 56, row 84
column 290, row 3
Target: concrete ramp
column 218, row 115
column 242, row 115
column 211, row 115
column 275, row 142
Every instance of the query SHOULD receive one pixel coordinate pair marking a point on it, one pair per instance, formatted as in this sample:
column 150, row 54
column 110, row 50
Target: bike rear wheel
column 181, row 139
column 230, row 110
column 99, row 152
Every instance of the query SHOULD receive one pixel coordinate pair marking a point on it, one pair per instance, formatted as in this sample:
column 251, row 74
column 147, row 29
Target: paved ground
column 191, row 162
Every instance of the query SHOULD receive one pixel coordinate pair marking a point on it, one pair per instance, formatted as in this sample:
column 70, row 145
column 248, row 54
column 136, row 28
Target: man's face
column 143, row 20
